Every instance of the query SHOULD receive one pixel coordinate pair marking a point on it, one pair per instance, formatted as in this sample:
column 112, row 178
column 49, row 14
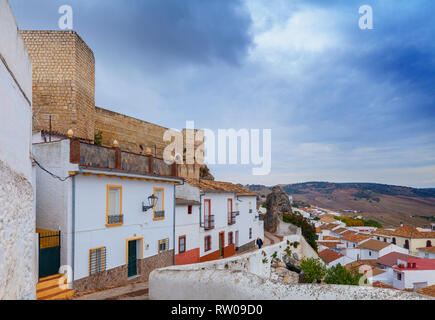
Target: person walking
column 259, row 243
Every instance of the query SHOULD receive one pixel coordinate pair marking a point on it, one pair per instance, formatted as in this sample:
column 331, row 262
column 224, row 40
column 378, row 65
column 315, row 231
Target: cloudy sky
column 344, row 104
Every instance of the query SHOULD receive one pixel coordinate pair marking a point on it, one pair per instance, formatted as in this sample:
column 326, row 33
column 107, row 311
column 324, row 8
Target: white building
column 426, row 253
column 18, row 258
column 115, row 211
column 414, row 274
column 388, row 262
column 228, row 221
column 332, row 258
column 373, row 249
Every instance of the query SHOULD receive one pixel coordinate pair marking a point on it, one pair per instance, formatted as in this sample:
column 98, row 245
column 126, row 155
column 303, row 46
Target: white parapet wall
column 248, row 277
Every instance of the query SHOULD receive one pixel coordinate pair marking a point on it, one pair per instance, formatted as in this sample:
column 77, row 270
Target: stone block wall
column 63, row 81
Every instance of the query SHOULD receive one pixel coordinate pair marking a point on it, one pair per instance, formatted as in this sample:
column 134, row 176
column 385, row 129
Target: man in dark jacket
column 259, row 243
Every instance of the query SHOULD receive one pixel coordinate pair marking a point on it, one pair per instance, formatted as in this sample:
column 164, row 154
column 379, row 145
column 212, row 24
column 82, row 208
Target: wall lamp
column 152, row 202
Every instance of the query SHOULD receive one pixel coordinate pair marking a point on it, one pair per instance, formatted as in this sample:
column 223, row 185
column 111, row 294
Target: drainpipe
column 173, row 240
column 73, row 225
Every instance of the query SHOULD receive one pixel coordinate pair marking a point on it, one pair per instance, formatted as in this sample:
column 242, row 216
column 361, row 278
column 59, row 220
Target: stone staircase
column 48, row 289
column 134, row 291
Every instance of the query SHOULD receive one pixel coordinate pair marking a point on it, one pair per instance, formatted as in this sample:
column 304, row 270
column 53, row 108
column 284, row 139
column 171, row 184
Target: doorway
column 221, row 244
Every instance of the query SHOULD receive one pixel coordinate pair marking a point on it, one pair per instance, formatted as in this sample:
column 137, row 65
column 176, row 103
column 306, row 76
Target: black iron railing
column 159, row 214
column 115, row 219
column 208, row 223
column 231, row 219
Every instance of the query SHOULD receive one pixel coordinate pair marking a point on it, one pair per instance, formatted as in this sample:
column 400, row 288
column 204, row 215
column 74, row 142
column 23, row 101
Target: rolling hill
column 387, row 204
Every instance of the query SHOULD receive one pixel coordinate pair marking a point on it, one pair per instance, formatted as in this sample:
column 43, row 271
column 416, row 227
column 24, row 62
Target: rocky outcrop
column 277, row 203
column 205, row 174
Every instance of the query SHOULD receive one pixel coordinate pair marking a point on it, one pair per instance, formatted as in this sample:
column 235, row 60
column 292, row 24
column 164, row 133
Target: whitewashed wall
column 409, row 278
column 17, row 220
column 187, row 225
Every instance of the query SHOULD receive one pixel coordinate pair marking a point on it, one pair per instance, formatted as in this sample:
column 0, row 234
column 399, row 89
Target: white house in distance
column 388, row 262
column 414, row 273
column 17, row 226
column 115, row 211
column 373, row 249
column 228, row 220
column 332, row 258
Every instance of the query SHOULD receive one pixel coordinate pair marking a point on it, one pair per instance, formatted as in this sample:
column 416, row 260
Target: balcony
column 118, row 219
column 236, row 213
column 232, row 219
column 208, row 223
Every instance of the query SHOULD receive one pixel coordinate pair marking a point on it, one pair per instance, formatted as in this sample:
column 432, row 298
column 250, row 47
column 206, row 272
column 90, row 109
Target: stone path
column 135, row 291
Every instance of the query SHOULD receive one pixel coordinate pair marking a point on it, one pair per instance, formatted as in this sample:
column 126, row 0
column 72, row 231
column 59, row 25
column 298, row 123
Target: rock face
column 205, row 173
column 277, row 203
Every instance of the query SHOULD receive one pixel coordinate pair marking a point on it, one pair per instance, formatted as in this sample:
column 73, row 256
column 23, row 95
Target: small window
column 182, row 244
column 370, row 253
column 354, row 245
column 250, row 207
column 207, row 243
column 250, row 233
column 428, row 244
column 159, row 209
column 97, row 260
column 189, row 209
column 399, row 276
column 114, row 206
column 163, row 245
column 406, row 245
column 230, row 238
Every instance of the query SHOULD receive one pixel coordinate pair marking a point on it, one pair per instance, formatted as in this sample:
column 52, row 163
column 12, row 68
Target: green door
column 221, row 244
column 132, row 258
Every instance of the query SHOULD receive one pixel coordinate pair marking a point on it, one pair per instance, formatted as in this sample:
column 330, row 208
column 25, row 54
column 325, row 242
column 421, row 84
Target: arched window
column 406, row 246
column 428, row 244
column 393, row 241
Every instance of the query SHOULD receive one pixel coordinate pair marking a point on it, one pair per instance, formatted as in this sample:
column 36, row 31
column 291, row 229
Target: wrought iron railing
column 208, row 223
column 231, row 219
column 159, row 214
column 115, row 219
column 236, row 213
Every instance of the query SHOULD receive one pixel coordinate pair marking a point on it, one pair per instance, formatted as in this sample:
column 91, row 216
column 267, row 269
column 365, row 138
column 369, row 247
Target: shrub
column 313, row 269
column 340, row 275
column 308, row 229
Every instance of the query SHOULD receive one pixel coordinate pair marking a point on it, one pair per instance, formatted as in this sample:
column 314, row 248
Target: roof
column 390, row 259
column 355, row 265
column 357, row 237
column 374, row 245
column 327, row 218
column 430, row 291
column 330, row 244
column 328, row 226
column 429, row 249
column 379, row 284
column 340, row 230
column 217, row 186
column 330, row 238
column 329, row 256
column 420, row 264
column 412, row 233
column 383, row 232
column 348, row 232
column 186, row 202
column 318, row 230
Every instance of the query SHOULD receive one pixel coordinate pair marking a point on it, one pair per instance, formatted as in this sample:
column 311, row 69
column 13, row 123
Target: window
column 97, row 260
column 393, row 241
column 250, row 233
column 354, row 245
column 230, row 216
column 399, row 276
column 428, row 244
column 250, row 207
column 406, row 246
column 207, row 243
column 370, row 253
column 163, row 245
column 159, row 209
column 230, row 238
column 182, row 244
column 114, row 206
column 189, row 209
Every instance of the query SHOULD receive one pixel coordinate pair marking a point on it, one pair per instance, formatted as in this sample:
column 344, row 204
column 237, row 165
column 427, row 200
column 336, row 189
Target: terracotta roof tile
column 383, row 232
column 379, row 284
column 374, row 245
column 329, row 256
column 430, row 249
column 412, row 233
column 430, row 291
column 340, row 230
column 390, row 259
column 330, row 244
column 330, row 238
column 357, row 237
column 218, row 186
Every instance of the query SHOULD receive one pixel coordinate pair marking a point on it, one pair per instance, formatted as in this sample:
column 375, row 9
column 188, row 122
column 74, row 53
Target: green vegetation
column 352, row 222
column 300, row 204
column 314, row 270
column 263, row 205
column 340, row 275
column 308, row 229
column 98, row 138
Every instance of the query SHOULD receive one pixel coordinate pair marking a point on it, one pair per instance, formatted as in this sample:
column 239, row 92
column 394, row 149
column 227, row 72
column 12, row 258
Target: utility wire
column 50, row 173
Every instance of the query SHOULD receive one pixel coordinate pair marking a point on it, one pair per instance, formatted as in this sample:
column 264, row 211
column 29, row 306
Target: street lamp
column 152, row 202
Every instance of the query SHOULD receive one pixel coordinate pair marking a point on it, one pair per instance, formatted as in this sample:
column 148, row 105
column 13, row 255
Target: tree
column 340, row 275
column 98, row 138
column 313, row 269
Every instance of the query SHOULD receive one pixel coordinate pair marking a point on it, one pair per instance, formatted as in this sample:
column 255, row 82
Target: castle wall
column 63, row 81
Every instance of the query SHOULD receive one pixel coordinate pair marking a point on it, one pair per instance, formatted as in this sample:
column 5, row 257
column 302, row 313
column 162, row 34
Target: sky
column 343, row 104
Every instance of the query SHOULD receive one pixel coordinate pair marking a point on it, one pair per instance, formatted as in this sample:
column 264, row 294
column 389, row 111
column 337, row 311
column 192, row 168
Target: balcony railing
column 115, row 219
column 231, row 219
column 208, row 223
column 159, row 214
column 236, row 213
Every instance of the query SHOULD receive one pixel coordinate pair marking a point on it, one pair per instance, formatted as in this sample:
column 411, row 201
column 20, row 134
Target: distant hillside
column 386, row 203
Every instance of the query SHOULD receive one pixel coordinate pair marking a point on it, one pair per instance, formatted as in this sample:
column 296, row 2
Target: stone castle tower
column 64, row 98
column 63, row 82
